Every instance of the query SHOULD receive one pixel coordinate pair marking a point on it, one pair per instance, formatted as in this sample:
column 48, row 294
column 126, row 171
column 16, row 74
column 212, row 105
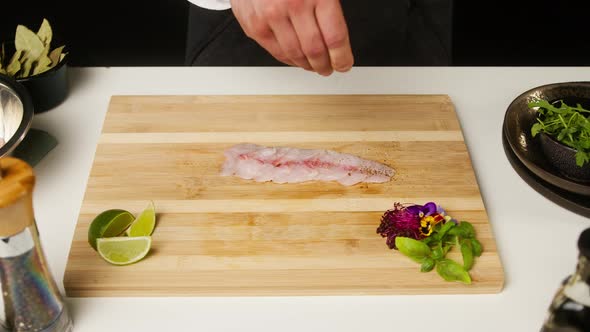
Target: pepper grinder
column 31, row 300
column 570, row 309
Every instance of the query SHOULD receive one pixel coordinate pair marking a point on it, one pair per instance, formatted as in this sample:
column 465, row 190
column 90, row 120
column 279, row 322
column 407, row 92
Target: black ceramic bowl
column 579, row 204
column 517, row 126
column 563, row 158
column 48, row 89
column 16, row 114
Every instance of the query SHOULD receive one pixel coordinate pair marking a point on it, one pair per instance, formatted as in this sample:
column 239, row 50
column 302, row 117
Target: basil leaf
column 427, row 265
column 467, row 253
column 477, row 247
column 446, row 248
column 446, row 228
column 429, row 240
column 464, row 230
column 436, row 232
column 437, row 252
column 414, row 249
column 452, row 271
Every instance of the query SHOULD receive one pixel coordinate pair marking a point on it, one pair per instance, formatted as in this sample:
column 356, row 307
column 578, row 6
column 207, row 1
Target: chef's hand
column 310, row 34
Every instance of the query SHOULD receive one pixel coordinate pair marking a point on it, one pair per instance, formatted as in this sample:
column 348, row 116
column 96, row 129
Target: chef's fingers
column 287, row 39
column 333, row 27
column 258, row 30
column 312, row 42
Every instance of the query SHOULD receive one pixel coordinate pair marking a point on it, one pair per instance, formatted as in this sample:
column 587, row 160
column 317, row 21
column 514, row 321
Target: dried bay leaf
column 26, row 65
column 14, row 66
column 2, row 56
column 26, row 40
column 33, row 54
column 45, row 33
column 43, row 63
column 55, row 56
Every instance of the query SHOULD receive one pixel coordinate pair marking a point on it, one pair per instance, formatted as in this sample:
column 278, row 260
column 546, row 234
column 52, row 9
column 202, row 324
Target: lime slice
column 109, row 223
column 123, row 250
column 145, row 223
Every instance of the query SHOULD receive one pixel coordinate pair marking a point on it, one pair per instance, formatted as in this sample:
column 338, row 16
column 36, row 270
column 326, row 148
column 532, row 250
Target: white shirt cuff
column 212, row 4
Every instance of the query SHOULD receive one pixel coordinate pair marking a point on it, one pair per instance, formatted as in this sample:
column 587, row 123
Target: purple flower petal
column 414, row 209
column 429, row 208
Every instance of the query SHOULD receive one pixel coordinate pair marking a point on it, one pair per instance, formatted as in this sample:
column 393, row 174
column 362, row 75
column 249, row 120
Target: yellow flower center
column 427, row 224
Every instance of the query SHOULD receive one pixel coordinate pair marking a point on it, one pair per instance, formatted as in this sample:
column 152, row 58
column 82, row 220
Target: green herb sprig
column 568, row 125
column 431, row 252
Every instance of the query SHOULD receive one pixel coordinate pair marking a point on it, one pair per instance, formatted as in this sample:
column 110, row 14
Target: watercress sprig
column 567, row 124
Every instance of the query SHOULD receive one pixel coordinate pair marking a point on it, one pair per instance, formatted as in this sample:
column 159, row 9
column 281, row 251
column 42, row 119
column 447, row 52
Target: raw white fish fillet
column 292, row 165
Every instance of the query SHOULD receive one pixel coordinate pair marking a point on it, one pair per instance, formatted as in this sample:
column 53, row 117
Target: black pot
column 48, row 89
column 563, row 158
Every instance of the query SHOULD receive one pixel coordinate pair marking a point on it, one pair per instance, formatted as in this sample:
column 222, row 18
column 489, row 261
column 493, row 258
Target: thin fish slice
column 292, row 165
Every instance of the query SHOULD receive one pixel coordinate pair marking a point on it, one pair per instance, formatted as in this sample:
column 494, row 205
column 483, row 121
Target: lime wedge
column 109, row 223
column 123, row 250
column 145, row 223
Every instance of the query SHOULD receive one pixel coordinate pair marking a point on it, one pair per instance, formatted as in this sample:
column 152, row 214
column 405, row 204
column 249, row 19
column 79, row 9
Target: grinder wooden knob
column 16, row 196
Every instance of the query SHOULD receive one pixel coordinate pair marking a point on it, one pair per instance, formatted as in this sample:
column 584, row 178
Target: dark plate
column 579, row 204
column 517, row 123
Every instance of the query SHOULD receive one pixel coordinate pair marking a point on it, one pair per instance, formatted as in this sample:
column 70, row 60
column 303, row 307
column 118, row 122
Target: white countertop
column 536, row 238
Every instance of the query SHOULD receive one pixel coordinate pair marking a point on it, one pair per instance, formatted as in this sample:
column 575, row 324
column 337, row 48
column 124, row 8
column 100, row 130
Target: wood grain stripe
column 197, row 263
column 281, row 205
column 289, row 136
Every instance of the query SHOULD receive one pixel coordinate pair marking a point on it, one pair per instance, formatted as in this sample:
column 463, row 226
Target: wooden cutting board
column 227, row 236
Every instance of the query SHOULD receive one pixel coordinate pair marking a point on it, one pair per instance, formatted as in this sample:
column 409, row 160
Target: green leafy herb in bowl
column 568, row 125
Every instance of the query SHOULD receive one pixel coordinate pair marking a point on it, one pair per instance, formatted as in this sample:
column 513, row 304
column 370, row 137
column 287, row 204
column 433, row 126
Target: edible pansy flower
column 427, row 223
column 423, row 210
column 430, row 209
column 413, row 221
